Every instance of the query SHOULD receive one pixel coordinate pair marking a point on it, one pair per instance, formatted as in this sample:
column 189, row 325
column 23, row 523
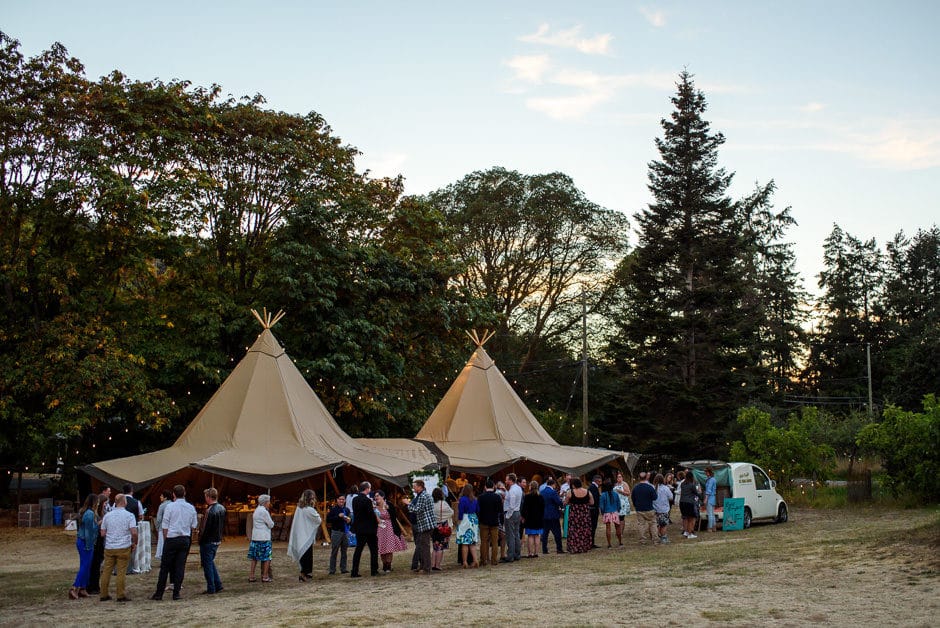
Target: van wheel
column 747, row 517
column 782, row 514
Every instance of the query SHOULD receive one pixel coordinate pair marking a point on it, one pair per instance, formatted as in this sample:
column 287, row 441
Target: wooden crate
column 28, row 520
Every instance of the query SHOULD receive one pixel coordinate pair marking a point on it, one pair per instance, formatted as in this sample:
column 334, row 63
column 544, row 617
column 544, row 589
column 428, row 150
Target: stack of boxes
column 45, row 513
column 29, row 516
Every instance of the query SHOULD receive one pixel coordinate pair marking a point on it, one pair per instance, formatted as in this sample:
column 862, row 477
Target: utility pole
column 871, row 407
column 584, row 370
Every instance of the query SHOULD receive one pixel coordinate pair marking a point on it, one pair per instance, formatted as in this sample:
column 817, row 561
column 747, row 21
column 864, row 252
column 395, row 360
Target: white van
column 742, row 479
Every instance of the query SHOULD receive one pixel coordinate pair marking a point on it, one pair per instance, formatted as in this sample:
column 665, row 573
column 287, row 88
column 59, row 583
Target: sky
column 838, row 102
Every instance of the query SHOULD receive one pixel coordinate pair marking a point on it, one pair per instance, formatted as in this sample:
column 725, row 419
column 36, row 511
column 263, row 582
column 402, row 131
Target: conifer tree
column 686, row 340
column 851, row 281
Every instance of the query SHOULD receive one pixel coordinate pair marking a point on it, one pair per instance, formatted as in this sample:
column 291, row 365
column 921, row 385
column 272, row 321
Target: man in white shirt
column 511, row 507
column 179, row 521
column 119, row 529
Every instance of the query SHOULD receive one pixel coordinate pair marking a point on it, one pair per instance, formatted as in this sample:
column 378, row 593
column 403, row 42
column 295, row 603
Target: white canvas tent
column 481, row 426
column 264, row 426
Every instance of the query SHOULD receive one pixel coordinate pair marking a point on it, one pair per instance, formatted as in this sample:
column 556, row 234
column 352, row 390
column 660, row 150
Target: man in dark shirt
column 491, row 509
column 366, row 527
column 552, row 517
column 595, row 489
column 210, row 537
column 643, row 495
column 338, row 521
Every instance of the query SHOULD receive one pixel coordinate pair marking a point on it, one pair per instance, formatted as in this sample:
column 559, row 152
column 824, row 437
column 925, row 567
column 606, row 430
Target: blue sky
column 838, row 102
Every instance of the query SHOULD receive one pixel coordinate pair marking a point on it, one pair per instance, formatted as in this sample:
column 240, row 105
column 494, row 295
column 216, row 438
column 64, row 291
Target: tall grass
column 822, row 496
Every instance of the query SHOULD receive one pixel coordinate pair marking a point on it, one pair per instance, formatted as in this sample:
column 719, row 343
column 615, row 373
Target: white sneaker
column 685, row 534
column 691, row 536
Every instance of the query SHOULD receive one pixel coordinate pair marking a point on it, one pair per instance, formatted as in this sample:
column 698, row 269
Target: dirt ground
column 860, row 567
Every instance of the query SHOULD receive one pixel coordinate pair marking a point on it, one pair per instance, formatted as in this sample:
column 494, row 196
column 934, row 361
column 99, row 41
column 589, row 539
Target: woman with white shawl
column 303, row 533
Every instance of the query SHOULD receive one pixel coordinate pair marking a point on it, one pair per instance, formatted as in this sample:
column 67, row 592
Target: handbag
column 443, row 528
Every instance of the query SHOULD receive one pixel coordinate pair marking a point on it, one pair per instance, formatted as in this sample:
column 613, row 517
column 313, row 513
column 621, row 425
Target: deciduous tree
column 534, row 247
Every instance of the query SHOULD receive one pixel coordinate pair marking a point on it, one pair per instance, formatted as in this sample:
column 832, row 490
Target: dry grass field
column 845, row 567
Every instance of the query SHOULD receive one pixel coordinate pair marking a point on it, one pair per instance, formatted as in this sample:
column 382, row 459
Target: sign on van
column 733, row 514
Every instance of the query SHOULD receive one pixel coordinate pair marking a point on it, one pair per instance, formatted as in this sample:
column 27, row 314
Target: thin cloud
column 591, row 90
column 884, row 143
column 530, row 68
column 570, row 38
column 654, row 17
column 586, row 79
column 900, row 145
column 812, row 107
column 567, row 107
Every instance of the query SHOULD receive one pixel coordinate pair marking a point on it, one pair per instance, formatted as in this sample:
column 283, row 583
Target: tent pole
column 333, row 482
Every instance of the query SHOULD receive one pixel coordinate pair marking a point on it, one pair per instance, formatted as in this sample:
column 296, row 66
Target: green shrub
column 908, row 444
column 794, row 450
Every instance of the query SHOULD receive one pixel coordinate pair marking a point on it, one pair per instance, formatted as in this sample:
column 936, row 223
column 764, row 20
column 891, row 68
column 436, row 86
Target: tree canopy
column 141, row 220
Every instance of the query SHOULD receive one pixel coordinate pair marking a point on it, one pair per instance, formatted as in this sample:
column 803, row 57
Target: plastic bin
column 57, row 515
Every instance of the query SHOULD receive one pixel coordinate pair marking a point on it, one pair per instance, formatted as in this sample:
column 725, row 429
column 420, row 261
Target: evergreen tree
column 851, row 280
column 686, row 340
column 780, row 297
column 909, row 314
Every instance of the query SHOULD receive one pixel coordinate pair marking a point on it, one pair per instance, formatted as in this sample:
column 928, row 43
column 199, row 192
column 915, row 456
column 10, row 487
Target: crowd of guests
column 499, row 521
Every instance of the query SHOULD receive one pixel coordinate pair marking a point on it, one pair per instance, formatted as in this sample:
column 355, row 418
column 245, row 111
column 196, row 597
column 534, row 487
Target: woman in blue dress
column 85, row 542
column 468, row 526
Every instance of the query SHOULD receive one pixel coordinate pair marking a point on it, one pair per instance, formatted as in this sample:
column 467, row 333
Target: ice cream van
column 745, row 480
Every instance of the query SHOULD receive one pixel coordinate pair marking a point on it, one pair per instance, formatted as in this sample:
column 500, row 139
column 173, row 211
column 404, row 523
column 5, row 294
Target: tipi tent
column 482, row 426
column 264, row 426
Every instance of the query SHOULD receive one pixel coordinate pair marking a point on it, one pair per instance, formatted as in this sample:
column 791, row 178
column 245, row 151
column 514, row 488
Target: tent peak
column 476, row 338
column 268, row 320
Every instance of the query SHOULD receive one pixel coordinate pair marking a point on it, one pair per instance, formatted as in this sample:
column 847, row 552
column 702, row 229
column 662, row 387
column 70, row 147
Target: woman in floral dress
column 579, row 518
column 468, row 526
column 390, row 538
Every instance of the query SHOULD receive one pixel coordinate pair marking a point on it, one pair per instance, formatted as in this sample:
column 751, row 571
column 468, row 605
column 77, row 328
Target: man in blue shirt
column 179, row 521
column 511, row 516
column 552, row 517
column 643, row 495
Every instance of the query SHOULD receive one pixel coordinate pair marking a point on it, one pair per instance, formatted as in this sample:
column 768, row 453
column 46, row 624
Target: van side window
column 761, row 481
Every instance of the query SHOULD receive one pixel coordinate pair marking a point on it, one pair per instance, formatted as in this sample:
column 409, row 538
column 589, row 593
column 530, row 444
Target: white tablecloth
column 159, row 552
column 140, row 561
